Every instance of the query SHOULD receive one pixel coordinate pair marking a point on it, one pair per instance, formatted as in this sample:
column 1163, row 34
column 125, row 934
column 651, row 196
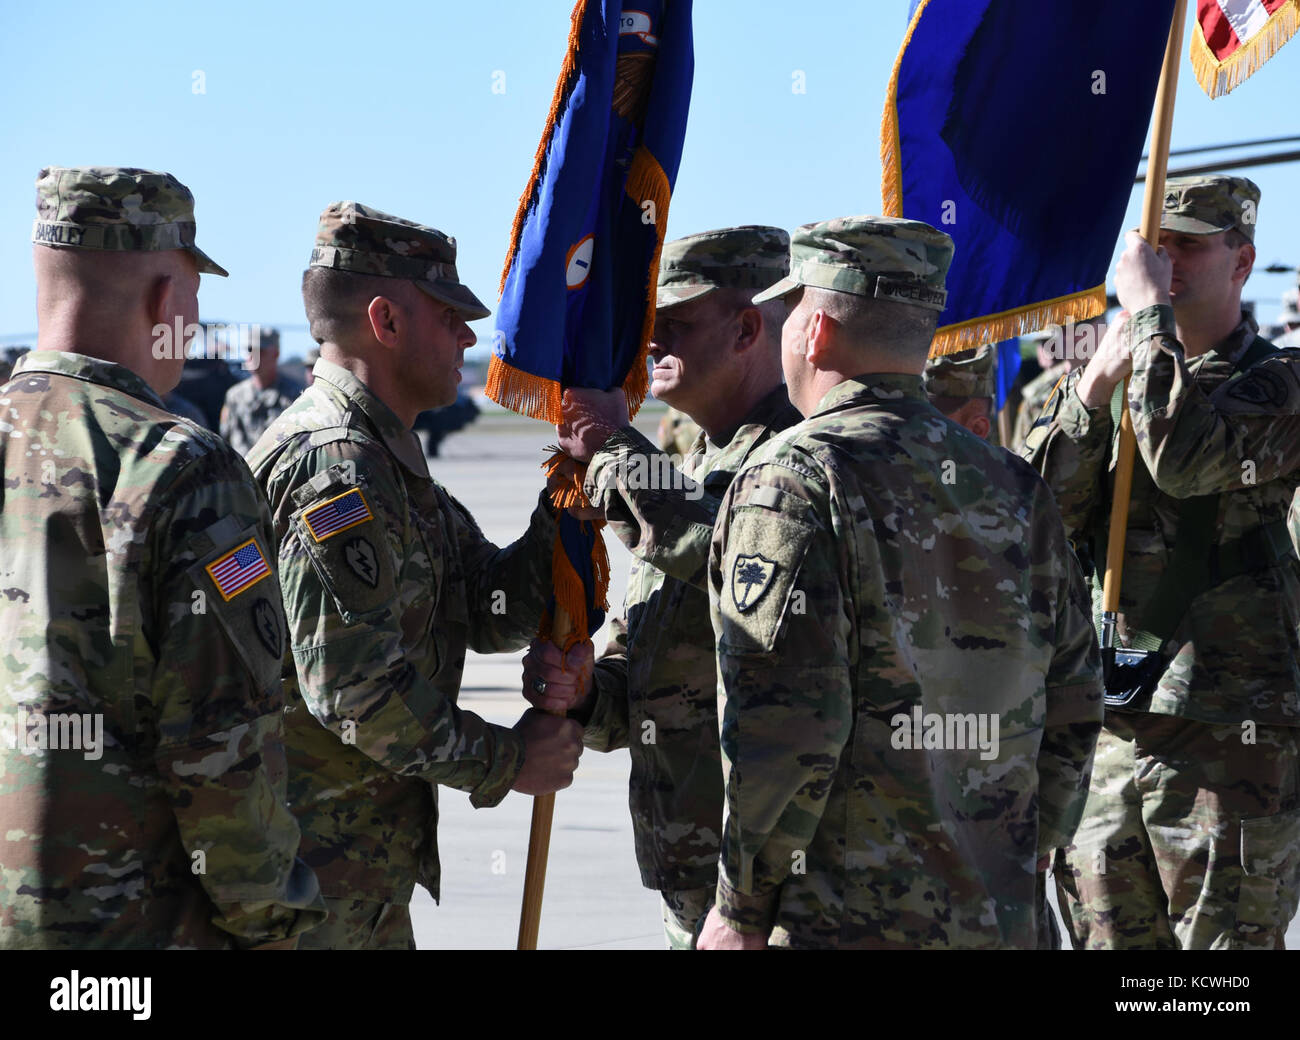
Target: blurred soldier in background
column 253, row 403
column 963, row 387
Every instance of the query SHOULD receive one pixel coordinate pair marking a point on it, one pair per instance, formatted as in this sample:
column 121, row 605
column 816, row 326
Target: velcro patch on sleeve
column 336, row 515
column 358, row 569
column 764, row 555
column 254, row 624
column 238, row 570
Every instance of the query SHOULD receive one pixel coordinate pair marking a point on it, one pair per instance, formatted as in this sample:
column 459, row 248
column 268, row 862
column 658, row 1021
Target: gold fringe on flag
column 993, row 328
column 1220, row 77
column 891, row 151
column 534, row 396
column 647, row 182
column 570, row 595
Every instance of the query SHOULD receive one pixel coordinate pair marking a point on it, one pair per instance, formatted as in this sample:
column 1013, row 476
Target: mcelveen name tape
column 917, row 293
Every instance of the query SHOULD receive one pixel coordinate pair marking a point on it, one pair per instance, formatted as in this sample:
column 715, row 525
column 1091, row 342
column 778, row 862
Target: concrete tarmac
column 593, row 896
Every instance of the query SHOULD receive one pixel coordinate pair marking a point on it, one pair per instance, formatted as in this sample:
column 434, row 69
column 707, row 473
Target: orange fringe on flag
column 534, row 396
column 647, row 182
column 1220, row 77
column 993, row 328
column 891, row 176
column 563, row 84
column 570, row 596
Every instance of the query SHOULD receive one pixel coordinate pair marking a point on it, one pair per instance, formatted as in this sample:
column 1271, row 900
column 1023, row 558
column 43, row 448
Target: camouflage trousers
column 357, row 924
column 1047, row 931
column 683, row 912
column 1190, row 837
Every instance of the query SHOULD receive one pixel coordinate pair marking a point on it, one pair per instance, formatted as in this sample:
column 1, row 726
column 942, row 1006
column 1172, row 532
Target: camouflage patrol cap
column 888, row 258
column 356, row 238
column 749, row 257
column 968, row 373
column 116, row 208
column 1206, row 205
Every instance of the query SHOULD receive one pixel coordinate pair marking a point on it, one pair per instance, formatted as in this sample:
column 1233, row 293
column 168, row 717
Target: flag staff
column 1152, row 206
column 539, row 833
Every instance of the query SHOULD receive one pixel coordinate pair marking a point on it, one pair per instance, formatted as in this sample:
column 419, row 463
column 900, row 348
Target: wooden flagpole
column 539, row 833
column 1152, row 207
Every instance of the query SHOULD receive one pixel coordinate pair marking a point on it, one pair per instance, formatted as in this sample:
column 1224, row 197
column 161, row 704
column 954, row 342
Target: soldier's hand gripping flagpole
column 1152, row 204
column 589, row 227
column 539, row 832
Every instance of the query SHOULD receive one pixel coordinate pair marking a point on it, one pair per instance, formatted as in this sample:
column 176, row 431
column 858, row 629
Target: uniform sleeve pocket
column 239, row 587
column 348, row 548
column 765, row 551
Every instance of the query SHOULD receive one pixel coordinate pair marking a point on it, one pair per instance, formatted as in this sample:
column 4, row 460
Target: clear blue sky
column 391, row 104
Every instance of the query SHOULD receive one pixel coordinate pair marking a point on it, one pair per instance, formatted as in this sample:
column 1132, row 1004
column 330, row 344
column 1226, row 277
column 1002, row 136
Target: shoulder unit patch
column 750, row 578
column 266, row 623
column 337, row 514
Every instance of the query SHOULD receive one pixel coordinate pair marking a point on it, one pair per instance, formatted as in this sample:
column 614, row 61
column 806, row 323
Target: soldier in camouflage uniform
column 387, row 580
column 252, row 404
column 963, row 387
column 1191, row 837
column 907, row 671
column 8, row 358
column 717, row 356
column 142, row 770
column 677, row 433
column 1064, row 349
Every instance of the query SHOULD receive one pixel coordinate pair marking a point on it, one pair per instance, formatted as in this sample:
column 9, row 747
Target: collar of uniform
column 1223, row 355
column 872, row 386
column 92, row 370
column 1239, row 338
column 757, row 419
column 403, row 443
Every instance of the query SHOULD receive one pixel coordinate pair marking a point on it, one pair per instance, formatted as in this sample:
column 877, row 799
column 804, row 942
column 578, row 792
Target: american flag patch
column 240, row 569
column 337, row 514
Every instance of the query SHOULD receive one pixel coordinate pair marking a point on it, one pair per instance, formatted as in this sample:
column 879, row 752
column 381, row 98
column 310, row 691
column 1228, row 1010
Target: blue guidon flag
column 578, row 290
column 1016, row 127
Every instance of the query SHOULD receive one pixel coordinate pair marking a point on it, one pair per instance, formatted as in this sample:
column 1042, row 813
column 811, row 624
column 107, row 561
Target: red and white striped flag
column 1233, row 38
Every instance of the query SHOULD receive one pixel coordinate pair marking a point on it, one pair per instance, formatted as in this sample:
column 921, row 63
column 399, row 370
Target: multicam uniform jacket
column 883, row 585
column 387, row 580
column 656, row 684
column 138, row 588
column 1199, row 432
